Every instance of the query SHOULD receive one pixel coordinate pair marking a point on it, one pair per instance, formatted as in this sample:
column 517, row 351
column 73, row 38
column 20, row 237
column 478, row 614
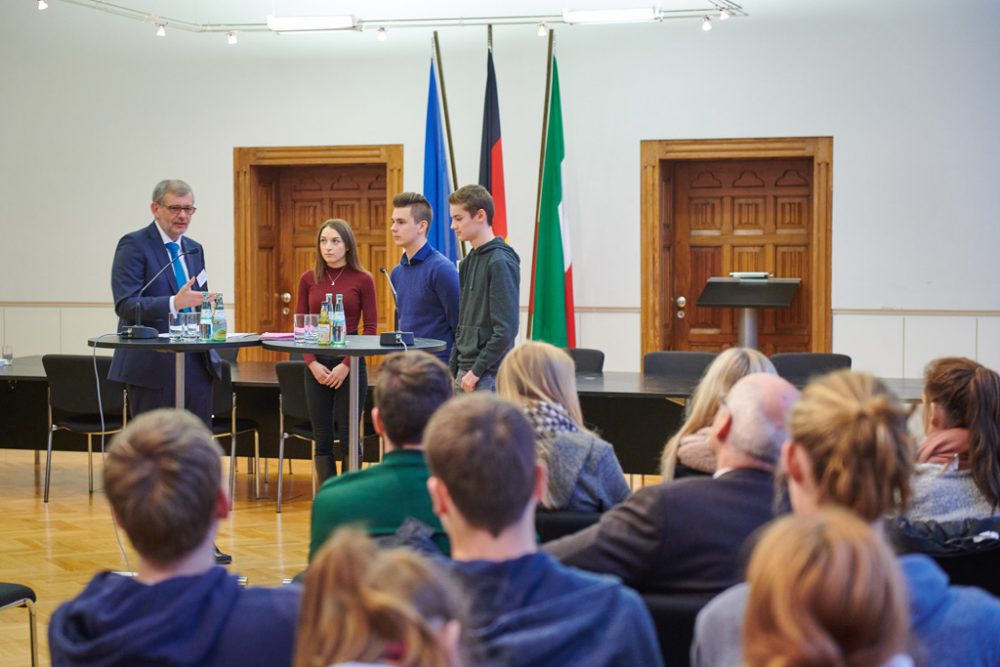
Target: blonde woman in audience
column 690, row 444
column 584, row 473
column 825, row 591
column 849, row 447
column 386, row 608
column 958, row 464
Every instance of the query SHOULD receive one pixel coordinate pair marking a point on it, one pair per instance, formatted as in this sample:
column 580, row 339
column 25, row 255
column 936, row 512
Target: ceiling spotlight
column 42, row 5
column 723, row 15
column 161, row 30
column 543, row 30
column 382, row 34
column 231, row 37
column 706, row 24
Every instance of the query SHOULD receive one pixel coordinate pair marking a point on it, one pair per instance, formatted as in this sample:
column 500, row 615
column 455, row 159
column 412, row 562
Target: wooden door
column 293, row 201
column 737, row 215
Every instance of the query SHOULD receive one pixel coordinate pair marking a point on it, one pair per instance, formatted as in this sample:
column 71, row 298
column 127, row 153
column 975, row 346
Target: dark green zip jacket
column 489, row 279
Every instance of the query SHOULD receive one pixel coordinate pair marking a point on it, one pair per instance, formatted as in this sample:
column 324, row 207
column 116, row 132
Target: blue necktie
column 172, row 248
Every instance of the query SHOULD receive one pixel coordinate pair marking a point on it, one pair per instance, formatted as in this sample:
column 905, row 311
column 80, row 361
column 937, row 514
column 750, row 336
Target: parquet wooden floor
column 57, row 548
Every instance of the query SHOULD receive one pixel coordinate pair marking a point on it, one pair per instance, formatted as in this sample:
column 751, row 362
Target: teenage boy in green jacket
column 489, row 282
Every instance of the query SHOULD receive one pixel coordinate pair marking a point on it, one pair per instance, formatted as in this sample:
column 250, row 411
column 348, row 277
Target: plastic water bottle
column 339, row 323
column 323, row 331
column 219, row 320
column 205, row 322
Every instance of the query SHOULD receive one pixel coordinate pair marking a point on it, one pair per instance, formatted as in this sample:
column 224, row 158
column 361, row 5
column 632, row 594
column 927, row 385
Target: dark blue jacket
column 427, row 296
column 138, row 257
column 533, row 611
column 202, row 620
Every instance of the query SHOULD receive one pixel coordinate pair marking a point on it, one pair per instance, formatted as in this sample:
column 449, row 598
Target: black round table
column 357, row 346
column 177, row 348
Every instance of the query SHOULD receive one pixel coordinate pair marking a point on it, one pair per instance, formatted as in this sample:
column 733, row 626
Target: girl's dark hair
column 969, row 395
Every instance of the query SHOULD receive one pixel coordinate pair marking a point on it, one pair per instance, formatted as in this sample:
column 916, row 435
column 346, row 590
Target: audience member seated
column 957, row 475
column 689, row 446
column 526, row 608
column 392, row 607
column 163, row 479
column 584, row 473
column 849, row 448
column 409, row 388
column 686, row 536
column 825, row 589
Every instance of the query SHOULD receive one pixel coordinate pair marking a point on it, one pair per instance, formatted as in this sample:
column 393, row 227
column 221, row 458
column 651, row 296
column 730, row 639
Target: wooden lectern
column 748, row 293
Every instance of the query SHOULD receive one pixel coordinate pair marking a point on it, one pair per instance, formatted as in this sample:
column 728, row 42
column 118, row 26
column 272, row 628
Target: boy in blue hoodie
column 163, row 479
column 525, row 607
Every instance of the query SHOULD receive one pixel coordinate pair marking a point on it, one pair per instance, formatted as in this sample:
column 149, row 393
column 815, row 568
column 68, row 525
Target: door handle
column 286, row 297
column 681, row 302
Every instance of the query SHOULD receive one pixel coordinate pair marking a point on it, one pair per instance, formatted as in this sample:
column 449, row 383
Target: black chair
column 552, row 525
column 677, row 363
column 225, row 424
column 293, row 416
column 968, row 551
column 674, row 616
column 799, row 367
column 587, row 360
column 73, row 403
column 230, row 354
column 16, row 595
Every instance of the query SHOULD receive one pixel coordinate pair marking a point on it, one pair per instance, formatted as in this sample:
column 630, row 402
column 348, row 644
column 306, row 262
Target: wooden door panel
column 739, row 215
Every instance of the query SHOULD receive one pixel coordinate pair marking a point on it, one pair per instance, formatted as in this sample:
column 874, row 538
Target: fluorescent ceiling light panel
column 611, row 15
column 310, row 23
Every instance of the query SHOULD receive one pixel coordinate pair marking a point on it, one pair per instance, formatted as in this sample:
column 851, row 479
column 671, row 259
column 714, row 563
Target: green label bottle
column 323, row 326
column 219, row 320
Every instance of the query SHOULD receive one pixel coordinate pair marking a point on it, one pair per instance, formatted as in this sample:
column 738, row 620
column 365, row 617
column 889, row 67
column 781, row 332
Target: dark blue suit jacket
column 138, row 257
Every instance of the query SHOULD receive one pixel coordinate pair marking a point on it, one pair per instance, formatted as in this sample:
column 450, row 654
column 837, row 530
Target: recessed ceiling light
column 161, row 30
column 706, row 24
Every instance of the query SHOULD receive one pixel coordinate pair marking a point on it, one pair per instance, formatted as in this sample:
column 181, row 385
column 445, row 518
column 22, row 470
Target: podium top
column 748, row 292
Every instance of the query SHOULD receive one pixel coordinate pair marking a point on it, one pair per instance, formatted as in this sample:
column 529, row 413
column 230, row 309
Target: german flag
column 491, row 154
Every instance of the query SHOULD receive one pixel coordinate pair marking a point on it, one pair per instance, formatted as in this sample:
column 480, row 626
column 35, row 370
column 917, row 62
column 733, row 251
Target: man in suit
column 149, row 376
column 688, row 535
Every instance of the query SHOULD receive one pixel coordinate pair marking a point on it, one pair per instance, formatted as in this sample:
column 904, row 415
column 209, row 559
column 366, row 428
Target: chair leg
column 266, row 461
column 281, row 461
column 48, row 465
column 33, row 628
column 256, row 463
column 313, row 443
column 90, row 464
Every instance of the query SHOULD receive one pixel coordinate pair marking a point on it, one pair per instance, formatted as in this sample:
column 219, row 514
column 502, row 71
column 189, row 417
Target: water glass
column 299, row 328
column 176, row 323
column 311, row 322
column 191, row 326
column 7, row 355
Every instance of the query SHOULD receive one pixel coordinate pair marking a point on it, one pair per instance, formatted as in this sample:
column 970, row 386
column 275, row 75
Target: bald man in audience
column 525, row 608
column 688, row 535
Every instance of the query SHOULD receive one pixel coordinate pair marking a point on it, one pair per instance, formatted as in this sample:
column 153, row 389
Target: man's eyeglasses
column 174, row 210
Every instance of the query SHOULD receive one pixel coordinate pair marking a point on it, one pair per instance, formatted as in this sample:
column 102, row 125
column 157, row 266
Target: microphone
column 397, row 337
column 137, row 331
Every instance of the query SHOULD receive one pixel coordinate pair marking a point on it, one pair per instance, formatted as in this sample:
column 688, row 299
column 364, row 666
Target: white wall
column 96, row 110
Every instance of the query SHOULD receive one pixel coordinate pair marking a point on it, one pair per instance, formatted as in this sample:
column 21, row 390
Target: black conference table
column 355, row 348
column 635, row 413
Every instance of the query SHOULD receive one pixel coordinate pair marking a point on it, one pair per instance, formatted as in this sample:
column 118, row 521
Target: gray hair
column 174, row 186
column 760, row 416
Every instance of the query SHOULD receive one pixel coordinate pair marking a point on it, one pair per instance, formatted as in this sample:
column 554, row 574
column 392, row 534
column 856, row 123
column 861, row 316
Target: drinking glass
column 7, row 352
column 176, row 323
column 299, row 328
column 191, row 326
column 311, row 322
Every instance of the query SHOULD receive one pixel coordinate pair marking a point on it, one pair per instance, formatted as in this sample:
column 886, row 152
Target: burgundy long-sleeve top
column 358, row 289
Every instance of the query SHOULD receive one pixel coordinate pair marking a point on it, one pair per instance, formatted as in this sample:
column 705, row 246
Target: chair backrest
column 222, row 392
column 587, row 360
column 799, row 367
column 73, row 391
column 674, row 616
column 229, row 354
column 677, row 363
column 553, row 525
column 980, row 568
column 291, row 384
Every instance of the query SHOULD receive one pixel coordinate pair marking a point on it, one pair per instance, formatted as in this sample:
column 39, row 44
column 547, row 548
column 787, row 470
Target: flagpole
column 447, row 124
column 541, row 170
